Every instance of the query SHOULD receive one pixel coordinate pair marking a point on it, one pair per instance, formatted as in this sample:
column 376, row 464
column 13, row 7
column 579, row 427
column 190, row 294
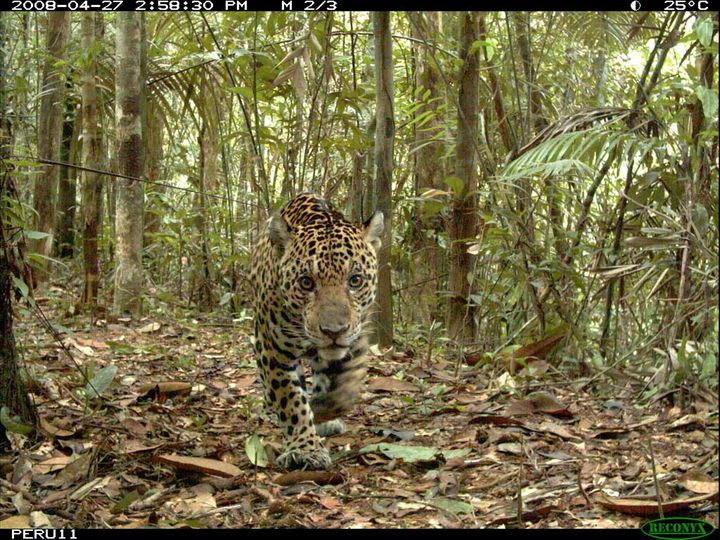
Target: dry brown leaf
column 319, row 477
column 688, row 422
column 53, row 464
column 53, row 430
column 133, row 446
column 164, row 390
column 204, row 465
column 330, row 503
column 547, row 403
column 40, row 520
column 539, row 402
column 534, row 368
column 559, row 430
column 245, row 383
column 149, row 328
column 495, row 420
column 15, row 522
column 539, row 349
column 645, row 507
column 135, row 427
column 75, row 471
column 94, row 343
column 70, row 342
column 285, row 74
column 390, row 384
column 135, row 524
column 530, row 515
column 698, row 482
column 203, row 502
column 520, row 407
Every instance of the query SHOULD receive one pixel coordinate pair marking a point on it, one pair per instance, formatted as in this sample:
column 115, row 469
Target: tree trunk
column 384, row 135
column 49, row 134
column 155, row 206
column 521, row 24
column 129, row 110
column 91, row 182
column 201, row 278
column 12, row 391
column 428, row 166
column 5, row 123
column 65, row 225
column 354, row 205
column 462, row 225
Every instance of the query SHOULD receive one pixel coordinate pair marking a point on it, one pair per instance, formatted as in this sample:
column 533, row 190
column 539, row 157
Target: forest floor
column 168, row 442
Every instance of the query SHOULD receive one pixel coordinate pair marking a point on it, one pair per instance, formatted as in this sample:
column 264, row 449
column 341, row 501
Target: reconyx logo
column 677, row 528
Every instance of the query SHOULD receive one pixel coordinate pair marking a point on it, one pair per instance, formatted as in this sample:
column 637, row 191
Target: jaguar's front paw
column 316, row 459
column 268, row 414
column 331, row 427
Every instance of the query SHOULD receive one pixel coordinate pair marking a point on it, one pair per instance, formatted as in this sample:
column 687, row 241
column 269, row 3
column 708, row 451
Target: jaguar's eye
column 306, row 283
column 356, row 280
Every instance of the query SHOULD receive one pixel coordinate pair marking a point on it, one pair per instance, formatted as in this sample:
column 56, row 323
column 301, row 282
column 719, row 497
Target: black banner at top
column 359, row 5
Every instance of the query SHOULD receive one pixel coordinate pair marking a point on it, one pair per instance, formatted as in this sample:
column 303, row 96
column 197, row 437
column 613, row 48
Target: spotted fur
column 314, row 276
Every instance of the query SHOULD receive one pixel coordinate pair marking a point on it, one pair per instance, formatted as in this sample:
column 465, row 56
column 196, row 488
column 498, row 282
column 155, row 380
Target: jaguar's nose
column 334, row 331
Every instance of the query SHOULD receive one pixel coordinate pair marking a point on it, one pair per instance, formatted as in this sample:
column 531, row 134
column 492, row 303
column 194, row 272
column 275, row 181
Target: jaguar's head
column 327, row 279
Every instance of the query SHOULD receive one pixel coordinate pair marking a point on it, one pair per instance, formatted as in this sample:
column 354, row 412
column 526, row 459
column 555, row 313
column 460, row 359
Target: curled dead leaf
column 390, row 384
column 698, row 482
column 319, row 477
column 165, row 390
column 53, row 430
column 645, row 507
column 203, row 465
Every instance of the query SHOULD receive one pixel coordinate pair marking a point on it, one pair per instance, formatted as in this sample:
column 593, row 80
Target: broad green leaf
column 452, row 505
column 709, row 99
column 703, row 31
column 99, row 383
column 700, row 218
column 488, row 44
column 23, row 163
column 431, row 207
column 255, row 451
column 247, row 93
column 14, row 424
column 125, row 502
column 225, row 298
column 456, row 184
column 412, row 454
column 36, row 235
column 120, row 347
column 22, row 286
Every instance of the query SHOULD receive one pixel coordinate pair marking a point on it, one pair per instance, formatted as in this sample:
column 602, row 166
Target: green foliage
column 255, row 451
column 289, row 99
column 100, row 382
column 14, row 424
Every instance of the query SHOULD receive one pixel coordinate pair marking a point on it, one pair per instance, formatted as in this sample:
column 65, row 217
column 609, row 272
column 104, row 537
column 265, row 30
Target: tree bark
column 462, row 224
column 12, row 391
column 201, row 278
column 384, row 137
column 155, row 206
column 129, row 110
column 49, row 134
column 5, row 125
column 65, row 225
column 91, row 182
column 429, row 170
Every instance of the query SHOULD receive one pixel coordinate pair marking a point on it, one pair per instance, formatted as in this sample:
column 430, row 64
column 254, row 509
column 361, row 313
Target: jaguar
column 314, row 279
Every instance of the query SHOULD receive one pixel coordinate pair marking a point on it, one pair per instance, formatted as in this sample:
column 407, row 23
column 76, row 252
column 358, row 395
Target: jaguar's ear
column 279, row 231
column 374, row 229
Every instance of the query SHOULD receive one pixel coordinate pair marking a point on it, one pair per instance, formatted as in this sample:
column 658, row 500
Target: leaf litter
column 164, row 429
